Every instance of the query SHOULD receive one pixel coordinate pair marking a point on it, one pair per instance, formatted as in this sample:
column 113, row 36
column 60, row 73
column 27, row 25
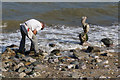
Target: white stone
column 109, row 54
column 96, row 57
column 20, row 64
column 21, row 75
column 70, row 66
column 45, row 54
column 83, row 66
column 102, row 77
column 98, row 60
column 105, row 62
column 32, row 60
column 106, row 66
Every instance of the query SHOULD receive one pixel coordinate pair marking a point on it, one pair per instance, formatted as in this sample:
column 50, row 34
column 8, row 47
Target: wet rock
column 54, row 52
column 21, row 69
column 77, row 67
column 93, row 49
column 40, row 51
column 19, row 55
column 72, row 50
column 107, row 41
column 83, row 37
column 22, row 75
column 8, row 53
column 52, row 45
column 63, row 69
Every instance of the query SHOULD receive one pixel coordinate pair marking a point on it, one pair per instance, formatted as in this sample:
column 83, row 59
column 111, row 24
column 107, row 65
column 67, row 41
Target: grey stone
column 92, row 49
column 28, row 70
column 74, row 62
column 80, row 55
column 75, row 75
column 22, row 69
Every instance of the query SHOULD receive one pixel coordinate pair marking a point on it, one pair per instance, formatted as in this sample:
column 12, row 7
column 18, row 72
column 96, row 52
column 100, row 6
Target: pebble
column 3, row 69
column 105, row 62
column 32, row 60
column 104, row 54
column 98, row 60
column 74, row 62
column 28, row 70
column 36, row 74
column 70, row 66
column 83, row 66
column 22, row 75
column 102, row 77
column 96, row 57
column 106, row 66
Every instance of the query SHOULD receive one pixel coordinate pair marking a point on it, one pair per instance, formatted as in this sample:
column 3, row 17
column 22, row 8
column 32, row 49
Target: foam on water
column 65, row 37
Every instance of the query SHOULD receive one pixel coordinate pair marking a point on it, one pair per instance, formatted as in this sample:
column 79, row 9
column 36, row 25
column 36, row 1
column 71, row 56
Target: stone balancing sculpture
column 83, row 36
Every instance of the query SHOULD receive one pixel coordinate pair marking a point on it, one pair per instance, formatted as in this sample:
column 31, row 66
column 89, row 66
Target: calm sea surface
column 65, row 13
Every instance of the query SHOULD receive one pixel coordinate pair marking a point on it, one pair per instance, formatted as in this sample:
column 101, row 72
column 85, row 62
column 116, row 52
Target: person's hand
column 34, row 31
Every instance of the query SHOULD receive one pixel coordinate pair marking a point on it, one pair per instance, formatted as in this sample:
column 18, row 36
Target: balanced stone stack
column 84, row 36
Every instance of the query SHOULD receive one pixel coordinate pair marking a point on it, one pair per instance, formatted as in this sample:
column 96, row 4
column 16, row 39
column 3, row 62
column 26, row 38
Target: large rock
column 107, row 41
column 83, row 37
column 52, row 45
column 55, row 52
column 79, row 54
column 93, row 49
column 22, row 75
column 8, row 53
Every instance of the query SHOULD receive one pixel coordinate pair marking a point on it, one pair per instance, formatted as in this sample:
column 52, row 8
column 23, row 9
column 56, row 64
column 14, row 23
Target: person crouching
column 30, row 28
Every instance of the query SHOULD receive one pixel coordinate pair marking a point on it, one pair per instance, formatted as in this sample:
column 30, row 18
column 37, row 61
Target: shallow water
column 65, row 37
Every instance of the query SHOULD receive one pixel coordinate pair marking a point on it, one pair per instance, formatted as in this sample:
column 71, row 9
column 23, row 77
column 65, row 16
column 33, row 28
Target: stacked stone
column 84, row 36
